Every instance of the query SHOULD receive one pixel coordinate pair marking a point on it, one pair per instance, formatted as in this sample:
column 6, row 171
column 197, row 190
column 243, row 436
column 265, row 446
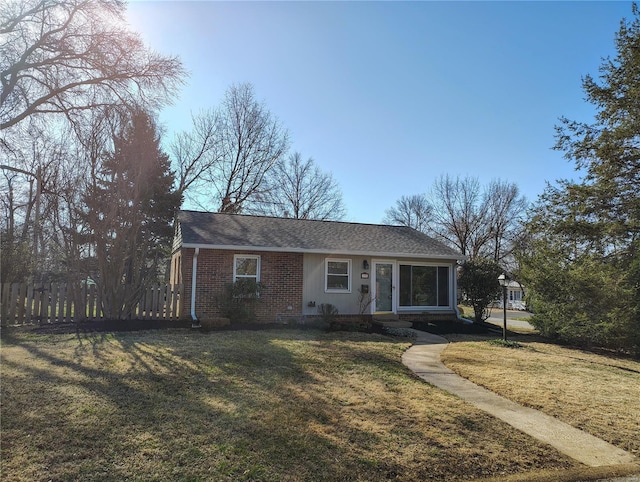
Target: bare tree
column 414, row 211
column 505, row 209
column 27, row 198
column 479, row 222
column 62, row 62
column 249, row 143
column 67, row 56
column 195, row 154
column 16, row 258
column 299, row 189
column 459, row 217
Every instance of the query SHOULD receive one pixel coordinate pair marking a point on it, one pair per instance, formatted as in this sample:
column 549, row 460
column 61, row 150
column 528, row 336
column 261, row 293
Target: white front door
column 384, row 289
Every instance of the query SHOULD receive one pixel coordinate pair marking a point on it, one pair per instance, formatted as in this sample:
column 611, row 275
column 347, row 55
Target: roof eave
column 379, row 254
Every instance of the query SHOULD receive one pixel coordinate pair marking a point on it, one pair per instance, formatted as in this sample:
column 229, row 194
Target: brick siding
column 280, row 274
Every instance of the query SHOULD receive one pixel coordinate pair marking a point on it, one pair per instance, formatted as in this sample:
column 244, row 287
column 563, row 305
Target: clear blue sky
column 390, row 95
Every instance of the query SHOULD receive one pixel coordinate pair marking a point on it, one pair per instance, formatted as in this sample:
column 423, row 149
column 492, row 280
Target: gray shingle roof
column 229, row 231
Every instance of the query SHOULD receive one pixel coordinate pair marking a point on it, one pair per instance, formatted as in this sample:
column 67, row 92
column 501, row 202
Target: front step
column 390, row 320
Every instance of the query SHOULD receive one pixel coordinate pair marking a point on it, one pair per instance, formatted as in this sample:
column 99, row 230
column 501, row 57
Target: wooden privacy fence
column 59, row 302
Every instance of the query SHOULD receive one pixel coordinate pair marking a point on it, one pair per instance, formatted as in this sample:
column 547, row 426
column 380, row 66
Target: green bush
column 239, row 299
column 585, row 301
column 479, row 284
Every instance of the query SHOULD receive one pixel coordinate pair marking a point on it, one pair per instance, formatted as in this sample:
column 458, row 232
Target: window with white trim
column 246, row 266
column 337, row 275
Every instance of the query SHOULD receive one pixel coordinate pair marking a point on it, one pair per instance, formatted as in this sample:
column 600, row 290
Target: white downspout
column 194, row 273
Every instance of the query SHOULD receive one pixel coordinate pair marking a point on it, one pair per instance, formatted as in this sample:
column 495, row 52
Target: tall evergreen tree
column 582, row 260
column 130, row 206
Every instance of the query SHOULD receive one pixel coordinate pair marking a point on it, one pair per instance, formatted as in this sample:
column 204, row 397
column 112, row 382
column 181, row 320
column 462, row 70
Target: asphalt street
column 514, row 320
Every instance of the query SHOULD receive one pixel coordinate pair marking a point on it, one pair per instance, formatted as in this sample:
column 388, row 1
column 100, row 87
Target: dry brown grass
column 596, row 393
column 268, row 405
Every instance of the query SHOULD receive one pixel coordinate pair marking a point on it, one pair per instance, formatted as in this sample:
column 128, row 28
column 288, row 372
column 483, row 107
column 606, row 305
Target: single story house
column 515, row 297
column 361, row 269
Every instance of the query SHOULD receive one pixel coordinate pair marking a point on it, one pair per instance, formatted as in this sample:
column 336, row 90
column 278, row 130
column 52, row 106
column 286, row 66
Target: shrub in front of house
column 328, row 313
column 334, row 321
column 238, row 300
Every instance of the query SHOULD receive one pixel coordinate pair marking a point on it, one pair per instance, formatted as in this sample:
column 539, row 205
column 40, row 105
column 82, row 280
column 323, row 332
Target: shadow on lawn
column 186, row 406
column 126, row 406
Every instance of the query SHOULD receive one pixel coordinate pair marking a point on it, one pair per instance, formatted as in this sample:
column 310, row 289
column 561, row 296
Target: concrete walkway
column 424, row 359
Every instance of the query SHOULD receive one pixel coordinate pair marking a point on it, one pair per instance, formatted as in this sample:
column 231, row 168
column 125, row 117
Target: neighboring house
column 358, row 268
column 515, row 297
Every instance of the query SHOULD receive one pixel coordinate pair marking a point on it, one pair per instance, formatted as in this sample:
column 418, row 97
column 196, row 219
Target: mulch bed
column 435, row 327
column 101, row 326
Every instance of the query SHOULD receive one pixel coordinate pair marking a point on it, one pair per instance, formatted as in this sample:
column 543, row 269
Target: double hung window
column 337, row 275
column 246, row 266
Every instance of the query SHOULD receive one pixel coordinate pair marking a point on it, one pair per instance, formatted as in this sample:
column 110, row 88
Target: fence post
column 98, row 304
column 53, row 299
column 37, row 303
column 156, row 298
column 148, row 299
column 29, row 314
column 80, row 301
column 13, row 305
column 45, row 303
column 4, row 304
column 177, row 300
column 62, row 301
column 166, row 302
column 21, row 300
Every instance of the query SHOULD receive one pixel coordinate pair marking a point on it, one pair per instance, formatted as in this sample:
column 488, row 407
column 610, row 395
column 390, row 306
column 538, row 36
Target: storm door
column 384, row 289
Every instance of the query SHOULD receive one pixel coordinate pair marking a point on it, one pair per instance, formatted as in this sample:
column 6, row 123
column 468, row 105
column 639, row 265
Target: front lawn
column 596, row 393
column 246, row 405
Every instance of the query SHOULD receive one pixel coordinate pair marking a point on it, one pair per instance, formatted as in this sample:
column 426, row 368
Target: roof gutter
column 381, row 254
column 195, row 323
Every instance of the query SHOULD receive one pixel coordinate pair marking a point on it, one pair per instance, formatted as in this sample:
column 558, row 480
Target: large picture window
column 246, row 266
column 422, row 286
column 337, row 275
